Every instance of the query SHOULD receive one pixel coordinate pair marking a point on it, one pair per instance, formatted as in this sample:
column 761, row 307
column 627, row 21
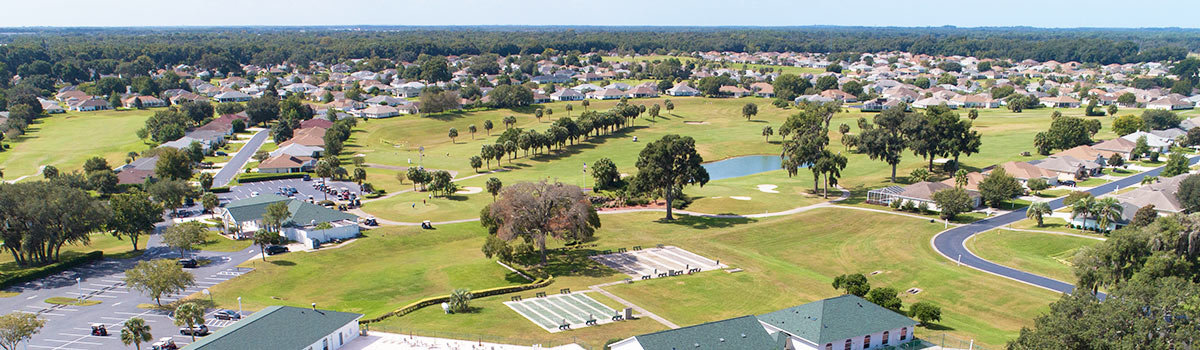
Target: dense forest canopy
column 94, row 47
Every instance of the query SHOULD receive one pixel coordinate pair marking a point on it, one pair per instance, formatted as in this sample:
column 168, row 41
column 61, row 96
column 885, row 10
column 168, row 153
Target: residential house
column 1024, row 171
column 607, row 94
column 734, row 91
column 51, row 107
column 1087, row 153
column 642, row 91
column 303, row 223
column 378, row 111
column 91, row 104
column 137, row 171
column 1170, row 103
column 184, row 97
column 232, row 96
column 918, row 193
column 682, row 89
column 1068, row 167
column 763, row 90
column 1115, row 146
column 281, row 162
column 1156, row 143
column 1060, row 102
column 567, row 95
column 145, row 102
column 285, row 328
column 976, row 101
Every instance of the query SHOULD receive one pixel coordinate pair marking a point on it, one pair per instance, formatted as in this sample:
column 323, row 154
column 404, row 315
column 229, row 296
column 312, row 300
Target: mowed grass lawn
column 1044, row 254
column 67, row 140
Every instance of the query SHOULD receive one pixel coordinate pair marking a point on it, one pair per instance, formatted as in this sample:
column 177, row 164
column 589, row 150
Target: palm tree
column 1107, row 210
column 1083, row 207
column 135, row 331
column 460, row 300
column 1037, row 210
column 189, row 315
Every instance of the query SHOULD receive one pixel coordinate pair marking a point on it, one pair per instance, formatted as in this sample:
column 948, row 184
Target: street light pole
column 79, row 285
column 239, row 306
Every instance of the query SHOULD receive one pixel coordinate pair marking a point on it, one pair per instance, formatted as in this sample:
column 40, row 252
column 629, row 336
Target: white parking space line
column 52, row 347
column 103, row 296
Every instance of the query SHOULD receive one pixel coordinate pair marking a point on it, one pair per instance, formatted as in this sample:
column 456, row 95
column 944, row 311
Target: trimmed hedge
column 32, row 274
column 255, row 177
column 222, row 189
column 407, row 309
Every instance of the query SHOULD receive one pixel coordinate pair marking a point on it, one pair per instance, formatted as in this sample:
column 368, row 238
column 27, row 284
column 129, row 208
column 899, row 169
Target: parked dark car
column 1067, row 183
column 221, row 153
column 276, row 249
column 227, row 315
column 201, row 330
column 307, row 178
column 188, row 263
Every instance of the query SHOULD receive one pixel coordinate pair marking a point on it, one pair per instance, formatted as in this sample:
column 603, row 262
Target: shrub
column 222, row 189
column 31, row 274
column 895, row 204
column 923, row 207
column 255, row 177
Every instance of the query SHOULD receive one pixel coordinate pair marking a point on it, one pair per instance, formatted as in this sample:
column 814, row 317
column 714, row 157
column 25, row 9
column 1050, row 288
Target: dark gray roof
column 736, row 333
column 276, row 327
column 836, row 319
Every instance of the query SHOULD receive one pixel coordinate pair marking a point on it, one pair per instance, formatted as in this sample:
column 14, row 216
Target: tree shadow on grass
column 456, row 197
column 705, row 222
column 570, row 262
column 446, row 116
column 938, row 327
column 758, row 121
column 282, row 262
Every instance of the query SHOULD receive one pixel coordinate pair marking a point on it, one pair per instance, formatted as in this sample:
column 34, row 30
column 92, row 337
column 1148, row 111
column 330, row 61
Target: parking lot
column 304, row 189
column 69, row 327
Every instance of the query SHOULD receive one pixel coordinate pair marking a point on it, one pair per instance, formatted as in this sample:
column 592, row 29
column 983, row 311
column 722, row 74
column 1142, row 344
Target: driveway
column 239, row 159
column 952, row 243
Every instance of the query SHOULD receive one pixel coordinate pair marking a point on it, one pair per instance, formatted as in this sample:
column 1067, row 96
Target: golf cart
column 164, row 343
column 99, row 330
column 427, row 225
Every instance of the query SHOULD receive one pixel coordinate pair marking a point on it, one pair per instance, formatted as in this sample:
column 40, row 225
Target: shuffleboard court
column 553, row 311
column 657, row 262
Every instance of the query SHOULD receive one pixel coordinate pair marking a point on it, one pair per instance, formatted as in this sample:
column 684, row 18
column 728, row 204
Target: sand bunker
column 695, row 123
column 470, row 190
column 740, row 198
column 768, row 188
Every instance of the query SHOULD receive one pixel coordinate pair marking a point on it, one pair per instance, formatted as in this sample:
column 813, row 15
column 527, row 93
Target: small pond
column 742, row 166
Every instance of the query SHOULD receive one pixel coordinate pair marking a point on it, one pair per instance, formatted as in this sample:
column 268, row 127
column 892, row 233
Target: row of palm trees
column 1104, row 210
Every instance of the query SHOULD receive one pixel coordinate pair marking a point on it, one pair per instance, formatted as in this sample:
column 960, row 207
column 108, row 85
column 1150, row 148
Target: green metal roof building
column 742, row 333
column 284, row 328
column 300, row 225
column 845, row 322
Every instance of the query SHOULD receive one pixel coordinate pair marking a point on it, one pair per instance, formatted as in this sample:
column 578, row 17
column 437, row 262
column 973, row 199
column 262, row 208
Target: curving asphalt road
column 239, row 159
column 952, row 243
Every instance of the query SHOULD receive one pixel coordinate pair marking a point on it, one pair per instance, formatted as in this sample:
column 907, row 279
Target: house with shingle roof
column 284, row 327
column 1024, row 171
column 303, row 223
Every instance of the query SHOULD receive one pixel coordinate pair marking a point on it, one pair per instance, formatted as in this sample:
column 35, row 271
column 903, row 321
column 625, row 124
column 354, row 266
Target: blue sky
column 963, row 13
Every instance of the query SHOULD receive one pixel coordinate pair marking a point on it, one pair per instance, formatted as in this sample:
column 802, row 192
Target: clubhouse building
column 305, row 223
column 845, row 322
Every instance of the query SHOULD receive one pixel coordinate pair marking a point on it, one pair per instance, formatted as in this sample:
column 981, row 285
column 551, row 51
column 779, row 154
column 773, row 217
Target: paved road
column 69, row 327
column 239, row 159
column 952, row 243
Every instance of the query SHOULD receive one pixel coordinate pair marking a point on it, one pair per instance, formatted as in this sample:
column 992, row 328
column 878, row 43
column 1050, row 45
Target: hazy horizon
column 1098, row 14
